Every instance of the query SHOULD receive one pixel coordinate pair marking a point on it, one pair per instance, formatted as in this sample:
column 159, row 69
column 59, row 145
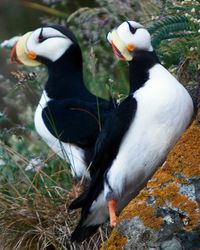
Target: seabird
column 68, row 116
column 138, row 134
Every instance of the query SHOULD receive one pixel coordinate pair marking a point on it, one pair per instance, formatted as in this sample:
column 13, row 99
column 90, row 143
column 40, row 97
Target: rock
column 143, row 238
column 173, row 244
column 166, row 213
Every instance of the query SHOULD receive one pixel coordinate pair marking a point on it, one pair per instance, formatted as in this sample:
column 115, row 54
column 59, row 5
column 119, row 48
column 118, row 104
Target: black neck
column 66, row 76
column 139, row 68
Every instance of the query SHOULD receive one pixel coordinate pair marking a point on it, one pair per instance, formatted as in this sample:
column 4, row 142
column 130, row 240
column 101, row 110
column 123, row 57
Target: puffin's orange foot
column 113, row 221
column 112, row 204
column 76, row 190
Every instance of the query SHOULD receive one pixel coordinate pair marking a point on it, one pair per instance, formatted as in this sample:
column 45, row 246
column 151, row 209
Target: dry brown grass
column 34, row 208
column 39, row 222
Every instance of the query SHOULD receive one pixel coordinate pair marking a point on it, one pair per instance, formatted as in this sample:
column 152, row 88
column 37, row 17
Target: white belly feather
column 164, row 110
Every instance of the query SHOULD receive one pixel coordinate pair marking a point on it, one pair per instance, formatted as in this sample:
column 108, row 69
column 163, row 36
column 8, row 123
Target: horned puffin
column 137, row 135
column 67, row 116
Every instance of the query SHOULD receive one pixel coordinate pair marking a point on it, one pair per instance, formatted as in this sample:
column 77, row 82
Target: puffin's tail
column 82, row 233
column 92, row 216
column 82, row 230
column 79, row 201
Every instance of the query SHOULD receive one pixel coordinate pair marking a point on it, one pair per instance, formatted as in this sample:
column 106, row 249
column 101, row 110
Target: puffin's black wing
column 109, row 140
column 106, row 150
column 75, row 121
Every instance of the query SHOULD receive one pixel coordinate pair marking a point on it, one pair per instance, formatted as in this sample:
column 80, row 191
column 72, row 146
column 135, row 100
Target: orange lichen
column 182, row 163
column 156, row 182
column 188, row 206
column 138, row 207
column 185, row 158
column 166, row 193
column 115, row 242
column 170, row 195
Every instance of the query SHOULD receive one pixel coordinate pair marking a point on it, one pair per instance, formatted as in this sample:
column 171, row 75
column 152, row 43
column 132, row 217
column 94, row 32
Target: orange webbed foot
column 112, row 204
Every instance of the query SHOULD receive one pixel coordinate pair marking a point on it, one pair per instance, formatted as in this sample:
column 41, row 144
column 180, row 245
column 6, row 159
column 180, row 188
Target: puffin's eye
column 131, row 28
column 41, row 38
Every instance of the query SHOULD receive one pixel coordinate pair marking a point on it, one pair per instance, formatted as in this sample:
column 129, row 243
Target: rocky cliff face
column 166, row 214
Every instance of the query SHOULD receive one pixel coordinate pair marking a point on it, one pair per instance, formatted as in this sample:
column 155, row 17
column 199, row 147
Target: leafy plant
column 176, row 36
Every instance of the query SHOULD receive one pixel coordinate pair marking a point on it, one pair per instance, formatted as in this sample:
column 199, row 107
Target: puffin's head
column 42, row 45
column 127, row 38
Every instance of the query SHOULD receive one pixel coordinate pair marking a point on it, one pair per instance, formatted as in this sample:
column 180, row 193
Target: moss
column 182, row 163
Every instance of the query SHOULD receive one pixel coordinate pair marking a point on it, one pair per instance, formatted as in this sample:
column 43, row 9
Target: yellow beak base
column 120, row 45
column 23, row 54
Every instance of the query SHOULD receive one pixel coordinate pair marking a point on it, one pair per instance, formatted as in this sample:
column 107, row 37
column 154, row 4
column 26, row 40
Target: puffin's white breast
column 164, row 110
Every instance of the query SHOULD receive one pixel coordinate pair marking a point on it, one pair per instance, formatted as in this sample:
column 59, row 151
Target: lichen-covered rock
column 166, row 214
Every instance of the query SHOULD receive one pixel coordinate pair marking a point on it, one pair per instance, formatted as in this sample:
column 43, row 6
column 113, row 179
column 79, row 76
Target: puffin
column 68, row 117
column 138, row 134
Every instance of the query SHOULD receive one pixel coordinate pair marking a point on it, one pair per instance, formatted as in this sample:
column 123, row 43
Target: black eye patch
column 41, row 38
column 131, row 28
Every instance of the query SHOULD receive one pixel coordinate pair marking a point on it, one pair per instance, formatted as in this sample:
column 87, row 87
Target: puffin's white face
column 48, row 43
column 45, row 42
column 129, row 37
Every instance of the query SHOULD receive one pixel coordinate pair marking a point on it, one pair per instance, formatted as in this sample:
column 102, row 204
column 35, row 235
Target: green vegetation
column 34, row 182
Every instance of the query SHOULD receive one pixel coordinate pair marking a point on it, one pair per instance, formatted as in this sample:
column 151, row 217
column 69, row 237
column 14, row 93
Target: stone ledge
column 166, row 213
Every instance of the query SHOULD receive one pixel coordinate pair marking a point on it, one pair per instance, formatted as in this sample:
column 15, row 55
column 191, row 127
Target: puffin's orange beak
column 119, row 47
column 13, row 55
column 117, row 53
column 20, row 53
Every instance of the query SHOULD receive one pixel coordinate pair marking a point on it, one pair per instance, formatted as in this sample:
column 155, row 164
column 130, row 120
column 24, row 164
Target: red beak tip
column 117, row 52
column 13, row 55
